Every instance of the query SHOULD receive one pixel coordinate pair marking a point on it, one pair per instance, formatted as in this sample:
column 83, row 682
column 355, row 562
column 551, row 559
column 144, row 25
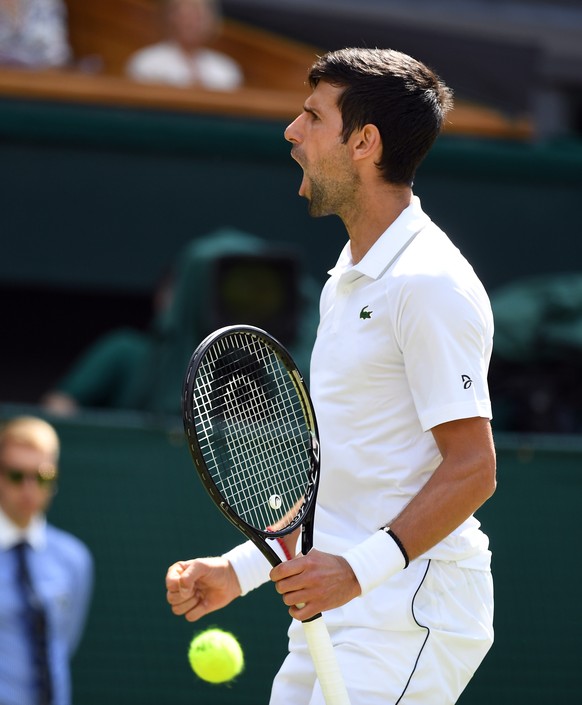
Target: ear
column 366, row 142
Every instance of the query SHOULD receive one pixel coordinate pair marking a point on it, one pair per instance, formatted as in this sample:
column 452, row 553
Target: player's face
column 25, row 482
column 329, row 178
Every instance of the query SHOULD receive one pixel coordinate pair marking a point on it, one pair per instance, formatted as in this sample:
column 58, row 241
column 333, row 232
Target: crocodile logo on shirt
column 365, row 314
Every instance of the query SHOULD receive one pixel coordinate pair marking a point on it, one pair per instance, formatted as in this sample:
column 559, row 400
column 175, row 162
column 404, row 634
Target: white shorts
column 429, row 662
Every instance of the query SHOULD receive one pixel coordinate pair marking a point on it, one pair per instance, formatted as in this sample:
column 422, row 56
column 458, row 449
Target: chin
column 316, row 212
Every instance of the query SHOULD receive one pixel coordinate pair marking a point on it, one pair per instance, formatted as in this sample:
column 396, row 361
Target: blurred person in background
column 46, row 574
column 184, row 59
column 34, row 34
column 134, row 370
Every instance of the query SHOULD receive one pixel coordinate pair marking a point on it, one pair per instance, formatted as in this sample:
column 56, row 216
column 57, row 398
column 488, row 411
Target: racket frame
column 304, row 516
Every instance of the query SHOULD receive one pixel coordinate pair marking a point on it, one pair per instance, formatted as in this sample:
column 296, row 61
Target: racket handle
column 325, row 661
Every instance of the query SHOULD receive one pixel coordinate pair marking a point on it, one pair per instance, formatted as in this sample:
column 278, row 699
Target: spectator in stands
column 46, row 574
column 184, row 59
column 34, row 34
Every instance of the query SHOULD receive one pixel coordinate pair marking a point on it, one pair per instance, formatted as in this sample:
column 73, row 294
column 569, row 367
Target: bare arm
column 464, row 480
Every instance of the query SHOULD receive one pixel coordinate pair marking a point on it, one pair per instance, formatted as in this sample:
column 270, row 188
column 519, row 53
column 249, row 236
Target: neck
column 373, row 215
column 188, row 47
column 17, row 519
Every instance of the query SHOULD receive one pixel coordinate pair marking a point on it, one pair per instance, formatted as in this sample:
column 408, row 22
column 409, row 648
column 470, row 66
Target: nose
column 292, row 131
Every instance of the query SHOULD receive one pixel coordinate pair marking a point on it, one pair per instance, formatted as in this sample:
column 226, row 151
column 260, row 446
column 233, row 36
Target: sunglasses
column 43, row 478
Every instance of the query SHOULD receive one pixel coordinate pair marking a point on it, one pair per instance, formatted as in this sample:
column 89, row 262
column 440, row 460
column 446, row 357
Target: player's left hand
column 319, row 581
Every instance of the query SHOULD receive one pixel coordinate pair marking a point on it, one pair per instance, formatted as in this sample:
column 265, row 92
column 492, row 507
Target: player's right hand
column 200, row 586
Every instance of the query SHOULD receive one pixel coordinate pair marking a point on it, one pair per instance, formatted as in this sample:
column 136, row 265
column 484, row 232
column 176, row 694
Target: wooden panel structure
column 114, row 29
column 104, row 33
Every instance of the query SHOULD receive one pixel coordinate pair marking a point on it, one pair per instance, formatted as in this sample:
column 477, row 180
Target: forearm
column 464, row 480
column 443, row 504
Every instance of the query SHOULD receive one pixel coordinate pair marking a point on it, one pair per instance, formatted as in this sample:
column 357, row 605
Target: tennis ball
column 215, row 656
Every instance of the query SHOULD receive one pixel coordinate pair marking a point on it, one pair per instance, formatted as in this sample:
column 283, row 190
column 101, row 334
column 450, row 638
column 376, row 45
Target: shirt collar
column 11, row 534
column 393, row 241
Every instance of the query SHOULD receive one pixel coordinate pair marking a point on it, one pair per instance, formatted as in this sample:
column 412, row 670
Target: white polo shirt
column 404, row 344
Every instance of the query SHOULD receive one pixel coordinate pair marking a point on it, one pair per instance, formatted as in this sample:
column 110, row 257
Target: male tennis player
column 401, row 569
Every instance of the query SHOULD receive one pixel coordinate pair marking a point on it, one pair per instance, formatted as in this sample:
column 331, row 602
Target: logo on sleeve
column 365, row 314
column 467, row 381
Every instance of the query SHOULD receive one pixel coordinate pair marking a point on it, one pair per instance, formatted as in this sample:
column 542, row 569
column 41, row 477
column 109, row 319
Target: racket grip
column 325, row 661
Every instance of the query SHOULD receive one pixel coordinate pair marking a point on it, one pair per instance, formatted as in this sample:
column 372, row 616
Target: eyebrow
column 310, row 110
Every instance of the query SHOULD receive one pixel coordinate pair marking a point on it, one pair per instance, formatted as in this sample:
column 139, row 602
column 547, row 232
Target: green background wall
column 128, row 489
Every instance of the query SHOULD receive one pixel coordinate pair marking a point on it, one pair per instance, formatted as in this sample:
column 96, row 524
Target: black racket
column 252, row 433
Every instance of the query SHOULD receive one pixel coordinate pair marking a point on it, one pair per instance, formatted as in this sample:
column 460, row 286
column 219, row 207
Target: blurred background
column 143, row 204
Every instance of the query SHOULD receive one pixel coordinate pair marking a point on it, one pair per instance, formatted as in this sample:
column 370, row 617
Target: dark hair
column 401, row 96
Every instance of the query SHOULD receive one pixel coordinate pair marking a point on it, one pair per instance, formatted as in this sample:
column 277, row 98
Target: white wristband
column 375, row 560
column 251, row 567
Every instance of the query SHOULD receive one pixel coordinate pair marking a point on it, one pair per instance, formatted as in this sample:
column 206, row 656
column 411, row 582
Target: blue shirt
column 61, row 569
column 34, row 34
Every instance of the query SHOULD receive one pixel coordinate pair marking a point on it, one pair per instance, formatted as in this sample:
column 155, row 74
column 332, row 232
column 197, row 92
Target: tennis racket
column 252, row 434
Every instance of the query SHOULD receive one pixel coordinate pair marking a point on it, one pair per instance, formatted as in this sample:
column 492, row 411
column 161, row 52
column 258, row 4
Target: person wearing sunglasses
column 46, row 574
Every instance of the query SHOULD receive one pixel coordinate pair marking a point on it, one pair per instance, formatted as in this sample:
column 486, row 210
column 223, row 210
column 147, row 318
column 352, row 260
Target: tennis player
column 400, row 568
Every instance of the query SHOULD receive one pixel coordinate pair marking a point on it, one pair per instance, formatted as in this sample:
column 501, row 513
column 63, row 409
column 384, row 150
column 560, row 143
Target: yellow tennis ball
column 215, row 656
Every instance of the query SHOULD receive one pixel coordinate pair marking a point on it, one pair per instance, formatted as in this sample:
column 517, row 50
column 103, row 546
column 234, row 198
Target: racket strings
column 265, row 446
column 252, row 430
column 257, row 453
